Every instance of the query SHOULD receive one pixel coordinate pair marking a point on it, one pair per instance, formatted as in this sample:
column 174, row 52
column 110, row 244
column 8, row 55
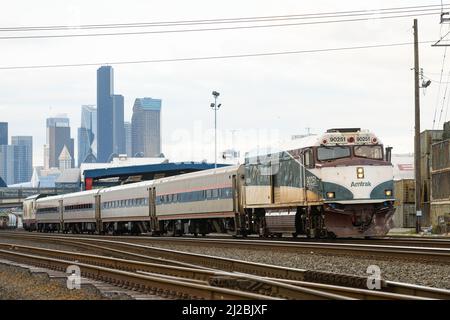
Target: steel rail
column 422, row 253
column 441, row 255
column 433, row 242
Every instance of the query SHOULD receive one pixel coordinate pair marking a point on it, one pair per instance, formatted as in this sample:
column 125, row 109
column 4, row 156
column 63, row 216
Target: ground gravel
column 19, row 284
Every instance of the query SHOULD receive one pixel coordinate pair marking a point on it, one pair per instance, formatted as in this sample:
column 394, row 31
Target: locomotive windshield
column 370, row 152
column 331, row 153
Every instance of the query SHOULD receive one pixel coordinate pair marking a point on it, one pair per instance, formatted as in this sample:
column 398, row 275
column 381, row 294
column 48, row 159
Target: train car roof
column 202, row 173
column 134, row 185
column 80, row 193
column 50, row 198
column 35, row 196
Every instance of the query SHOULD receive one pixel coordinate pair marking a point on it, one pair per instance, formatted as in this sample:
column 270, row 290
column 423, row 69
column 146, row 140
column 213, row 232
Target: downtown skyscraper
column 146, row 127
column 110, row 129
column 16, row 159
column 118, row 125
column 87, row 135
column 58, row 136
column 23, row 158
column 3, row 133
column 127, row 127
column 105, row 91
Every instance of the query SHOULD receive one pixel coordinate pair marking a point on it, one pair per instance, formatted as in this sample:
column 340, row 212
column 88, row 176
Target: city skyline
column 333, row 84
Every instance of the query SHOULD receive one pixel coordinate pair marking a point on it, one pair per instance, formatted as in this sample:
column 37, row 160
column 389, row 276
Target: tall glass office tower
column 87, row 134
column 105, row 92
column 3, row 133
column 23, row 158
column 146, row 127
column 118, row 125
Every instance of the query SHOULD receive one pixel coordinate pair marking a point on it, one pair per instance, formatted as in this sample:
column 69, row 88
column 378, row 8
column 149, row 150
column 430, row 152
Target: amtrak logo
column 361, row 184
column 311, row 181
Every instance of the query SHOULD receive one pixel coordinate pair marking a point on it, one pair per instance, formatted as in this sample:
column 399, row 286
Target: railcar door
column 98, row 216
column 61, row 216
column 154, row 225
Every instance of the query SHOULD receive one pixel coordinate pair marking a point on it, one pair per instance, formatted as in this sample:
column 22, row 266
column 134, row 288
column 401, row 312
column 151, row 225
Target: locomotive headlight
column 360, row 172
column 330, row 195
column 388, row 193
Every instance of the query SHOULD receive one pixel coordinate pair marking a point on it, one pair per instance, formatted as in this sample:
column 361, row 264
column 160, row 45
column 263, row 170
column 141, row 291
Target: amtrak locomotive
column 338, row 184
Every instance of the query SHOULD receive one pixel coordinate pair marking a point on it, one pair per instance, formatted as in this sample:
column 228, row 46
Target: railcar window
column 332, row 153
column 371, row 152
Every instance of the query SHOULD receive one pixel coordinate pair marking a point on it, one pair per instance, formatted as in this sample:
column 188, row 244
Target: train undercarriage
column 325, row 221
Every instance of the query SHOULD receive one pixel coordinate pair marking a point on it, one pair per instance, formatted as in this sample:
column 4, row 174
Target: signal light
column 388, row 193
column 351, row 140
column 330, row 195
column 360, row 172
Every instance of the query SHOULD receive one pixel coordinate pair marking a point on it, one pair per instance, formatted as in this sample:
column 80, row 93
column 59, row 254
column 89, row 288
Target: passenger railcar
column 198, row 202
column 78, row 211
column 125, row 208
column 49, row 214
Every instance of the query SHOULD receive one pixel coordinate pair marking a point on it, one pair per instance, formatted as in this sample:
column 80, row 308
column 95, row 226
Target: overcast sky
column 278, row 95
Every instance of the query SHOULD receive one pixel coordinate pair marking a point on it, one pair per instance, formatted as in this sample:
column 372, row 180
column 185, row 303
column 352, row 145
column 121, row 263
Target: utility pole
column 417, row 152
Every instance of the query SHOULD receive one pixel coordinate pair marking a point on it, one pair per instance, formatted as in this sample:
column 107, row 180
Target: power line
column 206, row 29
column 337, row 14
column 433, row 80
column 440, row 81
column 261, row 54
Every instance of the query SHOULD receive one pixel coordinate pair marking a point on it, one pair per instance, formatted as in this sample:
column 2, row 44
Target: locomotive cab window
column 332, row 153
column 370, row 152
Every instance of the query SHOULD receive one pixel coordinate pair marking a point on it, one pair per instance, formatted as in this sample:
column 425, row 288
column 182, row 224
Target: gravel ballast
column 18, row 284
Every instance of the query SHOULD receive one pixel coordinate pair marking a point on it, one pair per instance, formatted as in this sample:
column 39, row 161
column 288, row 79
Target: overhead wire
column 206, row 29
column 440, row 81
column 336, row 14
column 259, row 54
column 445, row 92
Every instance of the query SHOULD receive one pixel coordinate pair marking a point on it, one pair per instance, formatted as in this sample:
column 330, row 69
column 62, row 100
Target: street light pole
column 215, row 107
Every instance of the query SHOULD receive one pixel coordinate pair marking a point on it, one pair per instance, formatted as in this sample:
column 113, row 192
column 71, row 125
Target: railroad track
column 388, row 251
column 323, row 281
column 438, row 242
column 189, row 283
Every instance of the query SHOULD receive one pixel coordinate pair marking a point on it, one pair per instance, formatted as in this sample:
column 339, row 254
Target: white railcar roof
column 32, row 197
column 51, row 198
column 202, row 173
column 141, row 184
column 80, row 194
